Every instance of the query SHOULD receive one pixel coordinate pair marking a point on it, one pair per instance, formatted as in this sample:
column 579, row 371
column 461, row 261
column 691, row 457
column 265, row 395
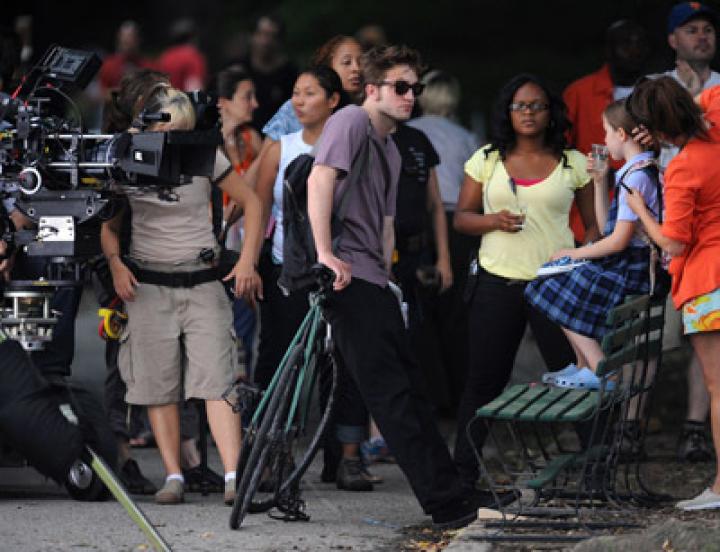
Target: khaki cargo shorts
column 179, row 343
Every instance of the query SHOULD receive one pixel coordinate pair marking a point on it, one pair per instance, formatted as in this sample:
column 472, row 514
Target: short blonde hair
column 441, row 95
column 176, row 103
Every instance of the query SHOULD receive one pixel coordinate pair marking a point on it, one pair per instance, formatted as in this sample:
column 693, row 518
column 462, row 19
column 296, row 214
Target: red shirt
column 185, row 65
column 586, row 99
column 116, row 66
column 692, row 209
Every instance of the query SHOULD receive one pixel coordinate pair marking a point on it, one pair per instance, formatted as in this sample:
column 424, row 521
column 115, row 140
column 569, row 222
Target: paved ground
column 39, row 516
column 36, row 515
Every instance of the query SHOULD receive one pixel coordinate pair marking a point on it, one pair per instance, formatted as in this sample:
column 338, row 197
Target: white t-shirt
column 175, row 232
column 291, row 146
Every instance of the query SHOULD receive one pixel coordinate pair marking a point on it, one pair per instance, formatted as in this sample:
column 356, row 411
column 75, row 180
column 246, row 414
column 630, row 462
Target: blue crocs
column 550, row 377
column 584, row 378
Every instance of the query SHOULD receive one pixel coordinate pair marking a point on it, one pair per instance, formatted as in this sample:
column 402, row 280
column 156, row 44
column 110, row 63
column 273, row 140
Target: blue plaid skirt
column 580, row 300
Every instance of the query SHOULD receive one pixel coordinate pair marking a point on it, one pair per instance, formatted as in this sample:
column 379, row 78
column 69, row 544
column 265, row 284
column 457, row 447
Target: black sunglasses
column 401, row 87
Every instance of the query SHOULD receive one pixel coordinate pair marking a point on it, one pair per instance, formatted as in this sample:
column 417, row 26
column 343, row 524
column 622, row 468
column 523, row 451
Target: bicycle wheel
column 300, row 459
column 258, row 442
column 288, row 460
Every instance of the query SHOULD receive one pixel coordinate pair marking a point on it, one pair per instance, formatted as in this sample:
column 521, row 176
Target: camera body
column 68, row 181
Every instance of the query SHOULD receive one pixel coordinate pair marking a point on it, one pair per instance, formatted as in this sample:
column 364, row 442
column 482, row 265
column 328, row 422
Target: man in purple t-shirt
column 376, row 363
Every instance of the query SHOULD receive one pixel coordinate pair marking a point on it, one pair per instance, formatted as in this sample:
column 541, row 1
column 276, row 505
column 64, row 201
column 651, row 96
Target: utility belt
column 188, row 278
column 413, row 243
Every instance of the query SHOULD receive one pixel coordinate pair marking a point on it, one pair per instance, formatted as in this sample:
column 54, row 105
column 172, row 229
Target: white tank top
column 291, row 145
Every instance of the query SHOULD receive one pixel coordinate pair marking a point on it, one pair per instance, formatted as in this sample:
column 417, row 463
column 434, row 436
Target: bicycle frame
column 307, row 335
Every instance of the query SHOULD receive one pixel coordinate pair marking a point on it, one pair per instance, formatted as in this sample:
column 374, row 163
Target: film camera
column 68, row 181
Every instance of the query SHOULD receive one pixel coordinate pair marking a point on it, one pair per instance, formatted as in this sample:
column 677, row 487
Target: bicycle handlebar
column 324, row 276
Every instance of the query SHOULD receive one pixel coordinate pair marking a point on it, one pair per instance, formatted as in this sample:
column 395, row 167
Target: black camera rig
column 67, row 181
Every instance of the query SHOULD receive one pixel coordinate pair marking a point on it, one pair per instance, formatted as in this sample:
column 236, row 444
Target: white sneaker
column 707, row 500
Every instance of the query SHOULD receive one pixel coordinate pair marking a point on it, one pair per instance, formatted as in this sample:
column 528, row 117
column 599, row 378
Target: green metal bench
column 566, row 482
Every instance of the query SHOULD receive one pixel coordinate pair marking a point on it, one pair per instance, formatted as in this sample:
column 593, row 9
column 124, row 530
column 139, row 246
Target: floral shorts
column 702, row 314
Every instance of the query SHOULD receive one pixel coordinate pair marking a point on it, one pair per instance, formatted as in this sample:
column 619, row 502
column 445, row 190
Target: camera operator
column 125, row 105
column 179, row 341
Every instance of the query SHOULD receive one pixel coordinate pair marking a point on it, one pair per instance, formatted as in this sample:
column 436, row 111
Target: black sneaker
column 350, row 476
column 694, row 445
column 133, row 479
column 196, row 477
column 464, row 511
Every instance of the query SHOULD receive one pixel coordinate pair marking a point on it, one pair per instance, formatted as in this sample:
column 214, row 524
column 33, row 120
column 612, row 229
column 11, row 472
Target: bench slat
column 513, row 410
column 508, row 396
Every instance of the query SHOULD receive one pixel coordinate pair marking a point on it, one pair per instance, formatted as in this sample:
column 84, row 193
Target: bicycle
column 271, row 454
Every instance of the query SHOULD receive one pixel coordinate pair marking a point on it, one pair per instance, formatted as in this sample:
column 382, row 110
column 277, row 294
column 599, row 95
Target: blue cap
column 684, row 12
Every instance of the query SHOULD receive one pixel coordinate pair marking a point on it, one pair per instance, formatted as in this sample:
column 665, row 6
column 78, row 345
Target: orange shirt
column 586, row 99
column 692, row 209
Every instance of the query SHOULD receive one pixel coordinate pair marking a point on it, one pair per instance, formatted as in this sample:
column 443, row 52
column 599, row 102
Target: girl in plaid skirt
column 618, row 264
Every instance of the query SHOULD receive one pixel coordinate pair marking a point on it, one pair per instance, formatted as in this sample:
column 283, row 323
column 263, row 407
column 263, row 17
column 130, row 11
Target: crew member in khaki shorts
column 178, row 342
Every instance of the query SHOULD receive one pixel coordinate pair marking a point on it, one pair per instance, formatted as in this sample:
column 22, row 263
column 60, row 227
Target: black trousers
column 498, row 317
column 369, row 335
column 280, row 318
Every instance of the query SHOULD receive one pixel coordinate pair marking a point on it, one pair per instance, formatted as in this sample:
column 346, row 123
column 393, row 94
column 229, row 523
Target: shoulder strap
column 650, row 168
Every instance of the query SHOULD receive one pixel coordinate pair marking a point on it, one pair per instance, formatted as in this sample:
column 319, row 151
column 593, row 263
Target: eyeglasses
column 401, row 87
column 534, row 107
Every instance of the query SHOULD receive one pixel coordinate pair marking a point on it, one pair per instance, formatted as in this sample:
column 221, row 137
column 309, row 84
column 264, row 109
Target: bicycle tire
column 253, row 458
column 283, row 481
column 329, row 382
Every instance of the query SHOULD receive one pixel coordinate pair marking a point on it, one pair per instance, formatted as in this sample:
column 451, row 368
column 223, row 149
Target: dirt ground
column 661, row 472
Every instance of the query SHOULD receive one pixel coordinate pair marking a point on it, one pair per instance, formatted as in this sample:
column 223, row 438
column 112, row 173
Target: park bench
column 567, row 485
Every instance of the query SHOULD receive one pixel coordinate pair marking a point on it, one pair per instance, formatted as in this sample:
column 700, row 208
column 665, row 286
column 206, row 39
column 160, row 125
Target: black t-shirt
column 271, row 90
column 418, row 157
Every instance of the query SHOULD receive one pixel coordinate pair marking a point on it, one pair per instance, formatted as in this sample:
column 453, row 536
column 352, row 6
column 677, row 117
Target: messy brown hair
column 379, row 60
column 663, row 106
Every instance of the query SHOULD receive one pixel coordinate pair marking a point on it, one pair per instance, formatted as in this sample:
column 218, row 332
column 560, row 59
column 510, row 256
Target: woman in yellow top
column 517, row 194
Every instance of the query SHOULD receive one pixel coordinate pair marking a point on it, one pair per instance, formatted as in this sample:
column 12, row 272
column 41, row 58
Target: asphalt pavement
column 37, row 515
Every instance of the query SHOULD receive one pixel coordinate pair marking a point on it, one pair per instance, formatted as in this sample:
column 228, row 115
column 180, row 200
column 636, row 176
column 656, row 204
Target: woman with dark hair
column 241, row 145
column 517, row 194
column 690, row 233
column 237, row 102
column 342, row 54
column 317, row 94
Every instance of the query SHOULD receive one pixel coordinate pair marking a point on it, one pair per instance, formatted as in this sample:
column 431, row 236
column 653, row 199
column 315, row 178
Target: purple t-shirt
column 361, row 243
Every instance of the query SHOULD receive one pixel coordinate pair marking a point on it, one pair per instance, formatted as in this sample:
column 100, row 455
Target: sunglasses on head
column 401, row 87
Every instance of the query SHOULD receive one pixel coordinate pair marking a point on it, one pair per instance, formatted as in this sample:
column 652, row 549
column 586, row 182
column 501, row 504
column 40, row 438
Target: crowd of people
column 431, row 200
